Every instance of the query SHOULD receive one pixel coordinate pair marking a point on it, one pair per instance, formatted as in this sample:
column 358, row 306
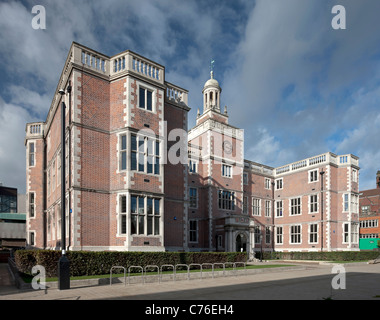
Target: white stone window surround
column 297, row 228
column 192, row 196
column 295, row 206
column 31, row 153
column 256, row 207
column 279, row 238
column 146, row 86
column 309, row 203
column 226, row 171
column 279, row 184
column 313, row 175
column 314, row 232
column 279, row 209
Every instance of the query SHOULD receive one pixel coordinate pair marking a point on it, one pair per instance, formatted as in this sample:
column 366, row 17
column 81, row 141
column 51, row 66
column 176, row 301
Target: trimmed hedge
column 100, row 262
column 323, row 256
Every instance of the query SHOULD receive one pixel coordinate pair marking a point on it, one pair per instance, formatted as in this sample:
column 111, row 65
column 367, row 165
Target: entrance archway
column 241, row 242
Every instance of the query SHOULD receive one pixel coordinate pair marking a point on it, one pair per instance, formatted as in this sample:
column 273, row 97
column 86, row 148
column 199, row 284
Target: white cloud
column 12, row 150
column 264, row 148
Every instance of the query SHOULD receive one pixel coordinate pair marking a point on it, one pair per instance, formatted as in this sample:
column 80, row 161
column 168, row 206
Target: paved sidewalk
column 311, row 283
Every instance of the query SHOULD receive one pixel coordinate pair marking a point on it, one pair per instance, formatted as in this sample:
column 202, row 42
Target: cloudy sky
column 297, row 86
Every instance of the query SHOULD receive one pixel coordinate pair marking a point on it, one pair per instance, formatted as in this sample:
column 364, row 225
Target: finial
column 212, row 68
column 225, row 109
column 198, row 113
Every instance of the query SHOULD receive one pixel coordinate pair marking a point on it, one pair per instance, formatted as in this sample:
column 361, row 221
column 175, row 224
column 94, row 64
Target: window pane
column 123, row 224
column 142, row 98
column 123, row 142
column 123, row 161
column 123, row 204
column 149, row 206
column 149, row 226
column 133, row 204
column 157, row 166
column 31, row 160
column 157, row 148
column 149, row 100
column 141, row 224
column 133, row 224
column 150, row 164
column 141, row 205
column 156, row 225
column 156, row 206
column 134, row 143
column 150, row 146
column 134, row 161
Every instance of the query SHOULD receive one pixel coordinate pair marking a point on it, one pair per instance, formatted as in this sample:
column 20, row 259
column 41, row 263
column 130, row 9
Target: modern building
column 12, row 230
column 8, row 199
column 12, row 221
column 369, row 203
column 137, row 179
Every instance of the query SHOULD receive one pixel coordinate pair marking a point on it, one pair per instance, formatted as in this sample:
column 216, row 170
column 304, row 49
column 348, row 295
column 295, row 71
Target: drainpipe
column 322, row 173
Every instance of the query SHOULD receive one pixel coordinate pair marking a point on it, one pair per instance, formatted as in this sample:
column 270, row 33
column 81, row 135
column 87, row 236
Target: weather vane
column 212, row 67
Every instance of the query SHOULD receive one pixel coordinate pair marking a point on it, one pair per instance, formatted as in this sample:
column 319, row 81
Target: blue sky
column 296, row 86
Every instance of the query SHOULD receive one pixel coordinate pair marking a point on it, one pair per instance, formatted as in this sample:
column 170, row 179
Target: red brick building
column 369, row 203
column 137, row 179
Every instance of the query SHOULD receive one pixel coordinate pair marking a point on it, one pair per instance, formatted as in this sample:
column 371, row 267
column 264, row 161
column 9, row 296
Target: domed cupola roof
column 212, row 83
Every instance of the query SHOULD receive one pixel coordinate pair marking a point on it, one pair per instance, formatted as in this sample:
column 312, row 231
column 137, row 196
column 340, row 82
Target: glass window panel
column 156, row 225
column 149, row 225
column 142, row 98
column 133, row 224
column 149, row 206
column 123, row 142
column 157, row 148
column 123, row 161
column 134, row 143
column 156, row 206
column 141, row 205
column 123, row 224
column 149, row 100
column 141, row 224
column 157, row 166
column 150, row 164
column 134, row 161
column 133, row 204
column 123, row 204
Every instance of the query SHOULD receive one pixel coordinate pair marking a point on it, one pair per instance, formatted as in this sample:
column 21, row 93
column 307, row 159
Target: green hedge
column 324, row 256
column 100, row 262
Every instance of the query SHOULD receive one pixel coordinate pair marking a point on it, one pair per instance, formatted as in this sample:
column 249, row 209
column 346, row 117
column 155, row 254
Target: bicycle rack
column 167, row 265
column 195, row 264
column 118, row 267
column 182, row 265
column 219, row 263
column 142, row 272
column 243, row 263
column 152, row 266
column 174, row 267
column 212, row 267
column 230, row 263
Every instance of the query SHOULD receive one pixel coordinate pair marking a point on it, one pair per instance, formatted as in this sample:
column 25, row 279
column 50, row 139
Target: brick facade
column 138, row 180
column 369, row 205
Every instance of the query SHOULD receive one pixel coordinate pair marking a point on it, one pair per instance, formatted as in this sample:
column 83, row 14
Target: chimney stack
column 378, row 179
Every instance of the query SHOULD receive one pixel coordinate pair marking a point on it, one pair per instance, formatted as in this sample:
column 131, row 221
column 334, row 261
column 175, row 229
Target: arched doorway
column 241, row 242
